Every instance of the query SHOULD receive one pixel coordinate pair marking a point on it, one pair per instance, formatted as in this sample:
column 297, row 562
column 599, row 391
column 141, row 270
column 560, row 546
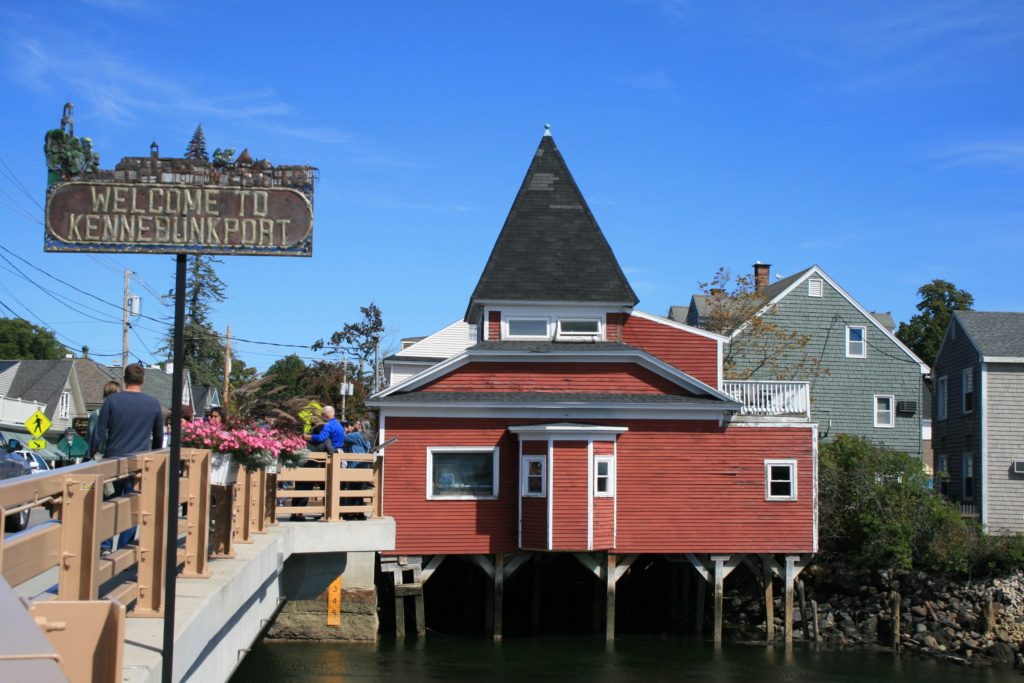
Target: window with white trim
column 968, row 472
column 884, row 413
column 462, row 473
column 64, row 405
column 814, row 287
column 941, row 391
column 780, row 479
column 856, row 342
column 968, row 387
column 604, row 475
column 578, row 328
column 534, row 475
column 528, row 328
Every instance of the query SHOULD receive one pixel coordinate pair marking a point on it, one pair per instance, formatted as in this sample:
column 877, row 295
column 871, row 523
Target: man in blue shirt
column 331, row 437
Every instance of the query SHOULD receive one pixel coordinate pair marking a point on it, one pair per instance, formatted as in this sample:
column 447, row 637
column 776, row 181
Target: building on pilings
column 573, row 423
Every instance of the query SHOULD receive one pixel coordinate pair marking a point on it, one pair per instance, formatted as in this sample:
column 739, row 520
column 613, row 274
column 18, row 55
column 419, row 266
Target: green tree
column 876, row 510
column 285, row 375
column 21, row 340
column 759, row 346
column 204, row 352
column 197, row 145
column 363, row 345
column 923, row 334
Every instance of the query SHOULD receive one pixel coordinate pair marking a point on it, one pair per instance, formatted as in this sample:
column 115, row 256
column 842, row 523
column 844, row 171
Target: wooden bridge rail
column 334, row 476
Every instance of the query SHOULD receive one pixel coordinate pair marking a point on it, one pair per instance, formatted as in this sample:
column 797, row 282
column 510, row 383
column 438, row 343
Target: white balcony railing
column 772, row 398
column 15, row 410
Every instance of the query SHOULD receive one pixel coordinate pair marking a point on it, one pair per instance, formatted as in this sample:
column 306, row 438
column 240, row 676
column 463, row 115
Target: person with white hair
column 331, row 436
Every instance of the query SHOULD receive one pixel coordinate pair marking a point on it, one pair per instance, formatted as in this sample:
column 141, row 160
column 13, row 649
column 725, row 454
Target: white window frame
column 561, row 334
column 967, row 473
column 942, row 468
column 815, row 287
column 967, row 389
column 768, row 465
column 494, row 451
column 891, row 422
column 525, row 483
column 507, row 325
column 863, row 342
column 942, row 398
column 64, row 405
column 610, row 459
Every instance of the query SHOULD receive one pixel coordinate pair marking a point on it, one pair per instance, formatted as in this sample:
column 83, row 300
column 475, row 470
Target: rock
column 1001, row 652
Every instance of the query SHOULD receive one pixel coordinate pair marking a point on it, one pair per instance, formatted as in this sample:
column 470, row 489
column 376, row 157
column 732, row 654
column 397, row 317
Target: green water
column 627, row 660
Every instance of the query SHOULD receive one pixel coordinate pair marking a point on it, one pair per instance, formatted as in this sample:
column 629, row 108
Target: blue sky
column 881, row 141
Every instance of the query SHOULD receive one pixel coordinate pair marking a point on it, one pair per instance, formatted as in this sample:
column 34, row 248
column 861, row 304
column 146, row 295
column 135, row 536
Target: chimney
column 761, row 273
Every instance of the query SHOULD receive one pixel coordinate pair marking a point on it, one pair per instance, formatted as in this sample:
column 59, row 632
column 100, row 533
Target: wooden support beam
column 499, row 594
column 432, row 564
column 611, row 578
column 794, row 565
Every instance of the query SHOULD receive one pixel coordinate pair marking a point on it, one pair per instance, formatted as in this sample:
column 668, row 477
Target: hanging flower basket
column 245, row 445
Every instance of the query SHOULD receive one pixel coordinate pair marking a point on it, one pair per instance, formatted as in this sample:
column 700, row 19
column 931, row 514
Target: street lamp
column 69, row 434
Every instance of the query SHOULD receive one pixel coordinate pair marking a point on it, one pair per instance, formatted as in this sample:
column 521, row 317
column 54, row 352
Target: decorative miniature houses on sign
column 189, row 204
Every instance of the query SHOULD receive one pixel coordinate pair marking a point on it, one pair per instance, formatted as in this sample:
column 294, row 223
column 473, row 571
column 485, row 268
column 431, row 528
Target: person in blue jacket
column 331, row 437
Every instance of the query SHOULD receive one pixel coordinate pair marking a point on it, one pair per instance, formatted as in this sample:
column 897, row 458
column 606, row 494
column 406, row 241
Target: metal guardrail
column 771, row 398
column 84, row 620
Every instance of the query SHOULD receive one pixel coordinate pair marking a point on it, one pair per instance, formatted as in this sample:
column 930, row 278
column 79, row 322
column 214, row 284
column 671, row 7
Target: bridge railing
column 83, row 618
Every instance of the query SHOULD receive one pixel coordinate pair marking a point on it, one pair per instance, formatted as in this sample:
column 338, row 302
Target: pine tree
column 197, row 145
column 204, row 352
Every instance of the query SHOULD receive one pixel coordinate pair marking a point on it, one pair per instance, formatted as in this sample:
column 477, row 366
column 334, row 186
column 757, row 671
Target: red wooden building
column 577, row 424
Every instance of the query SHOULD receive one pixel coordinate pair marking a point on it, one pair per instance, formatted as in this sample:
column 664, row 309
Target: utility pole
column 344, row 385
column 227, row 368
column 124, row 329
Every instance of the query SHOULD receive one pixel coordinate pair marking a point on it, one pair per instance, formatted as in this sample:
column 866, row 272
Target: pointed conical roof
column 551, row 248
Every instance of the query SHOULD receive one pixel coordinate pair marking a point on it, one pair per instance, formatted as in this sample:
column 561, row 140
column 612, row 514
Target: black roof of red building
column 551, row 248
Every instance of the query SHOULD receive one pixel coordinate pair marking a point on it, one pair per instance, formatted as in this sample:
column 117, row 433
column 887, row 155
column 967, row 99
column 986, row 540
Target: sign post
column 200, row 207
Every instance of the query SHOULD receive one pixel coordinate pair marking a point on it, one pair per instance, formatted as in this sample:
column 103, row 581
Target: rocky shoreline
column 976, row 623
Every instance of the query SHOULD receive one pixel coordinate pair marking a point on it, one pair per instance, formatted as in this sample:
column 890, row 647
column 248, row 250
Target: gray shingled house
column 978, row 424
column 870, row 385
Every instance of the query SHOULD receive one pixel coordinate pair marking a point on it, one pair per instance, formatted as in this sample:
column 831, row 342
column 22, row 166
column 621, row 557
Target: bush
column 876, row 510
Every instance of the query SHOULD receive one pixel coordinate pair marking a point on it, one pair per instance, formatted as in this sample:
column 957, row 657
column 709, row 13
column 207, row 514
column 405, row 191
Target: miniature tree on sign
column 197, row 145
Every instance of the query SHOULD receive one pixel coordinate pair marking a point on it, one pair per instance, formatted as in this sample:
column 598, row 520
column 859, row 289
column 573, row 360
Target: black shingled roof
column 994, row 333
column 551, row 248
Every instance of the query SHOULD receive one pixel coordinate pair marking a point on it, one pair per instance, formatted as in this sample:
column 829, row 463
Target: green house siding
column 843, row 400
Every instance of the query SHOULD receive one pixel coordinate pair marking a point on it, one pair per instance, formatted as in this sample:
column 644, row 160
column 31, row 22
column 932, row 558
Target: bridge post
column 79, row 553
column 197, row 515
column 223, row 526
column 152, row 553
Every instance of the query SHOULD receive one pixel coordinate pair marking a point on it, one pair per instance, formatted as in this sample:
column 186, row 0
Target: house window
column 968, row 470
column 856, row 344
column 533, row 475
column 64, row 405
column 942, row 474
column 814, row 287
column 604, row 476
column 462, row 473
column 528, row 328
column 884, row 412
column 780, row 479
column 969, row 390
column 941, row 389
column 570, row 329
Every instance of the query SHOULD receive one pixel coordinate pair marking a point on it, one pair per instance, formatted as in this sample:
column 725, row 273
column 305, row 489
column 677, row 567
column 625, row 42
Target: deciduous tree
column 21, row 340
column 923, row 334
column 760, row 346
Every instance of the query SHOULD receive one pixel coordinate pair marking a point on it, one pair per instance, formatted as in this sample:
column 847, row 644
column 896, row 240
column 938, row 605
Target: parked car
column 14, row 465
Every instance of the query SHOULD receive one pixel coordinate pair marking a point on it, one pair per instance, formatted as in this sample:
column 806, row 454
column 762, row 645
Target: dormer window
column 578, row 328
column 528, row 328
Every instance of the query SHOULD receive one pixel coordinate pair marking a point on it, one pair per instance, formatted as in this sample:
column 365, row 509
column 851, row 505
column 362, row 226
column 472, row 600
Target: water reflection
column 627, row 660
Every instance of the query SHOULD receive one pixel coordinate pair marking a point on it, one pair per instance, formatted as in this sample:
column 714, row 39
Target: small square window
column 884, row 412
column 462, row 473
column 604, row 476
column 856, row 342
column 533, row 476
column 780, row 479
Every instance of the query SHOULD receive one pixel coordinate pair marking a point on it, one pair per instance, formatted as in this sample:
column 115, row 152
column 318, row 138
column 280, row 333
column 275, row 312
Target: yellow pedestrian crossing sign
column 37, row 444
column 37, row 424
